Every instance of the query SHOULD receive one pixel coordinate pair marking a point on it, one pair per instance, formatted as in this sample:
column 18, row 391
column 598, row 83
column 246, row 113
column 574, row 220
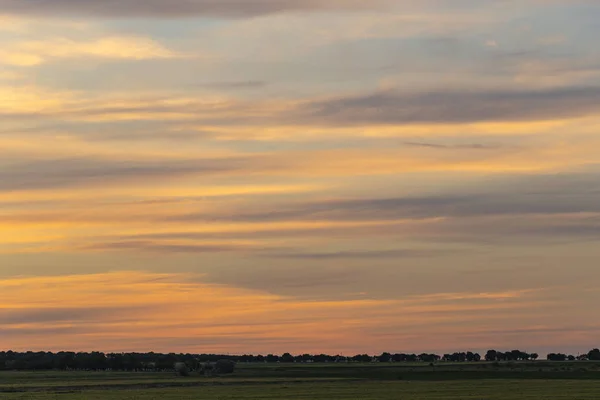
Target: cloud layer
column 306, row 176
column 176, row 8
column 161, row 312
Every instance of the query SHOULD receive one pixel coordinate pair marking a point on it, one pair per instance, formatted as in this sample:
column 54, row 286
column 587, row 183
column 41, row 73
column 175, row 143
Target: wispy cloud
column 359, row 255
column 394, row 107
column 369, row 109
column 334, row 175
column 165, row 307
column 34, row 53
column 177, row 8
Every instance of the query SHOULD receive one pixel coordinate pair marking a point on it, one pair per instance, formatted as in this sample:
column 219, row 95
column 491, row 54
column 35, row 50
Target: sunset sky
column 264, row 176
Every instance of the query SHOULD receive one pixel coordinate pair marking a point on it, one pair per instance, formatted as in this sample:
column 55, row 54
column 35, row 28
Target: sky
column 269, row 176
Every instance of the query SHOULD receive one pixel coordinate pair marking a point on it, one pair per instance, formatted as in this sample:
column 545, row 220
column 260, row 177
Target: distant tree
column 272, row 358
column 287, row 358
column 534, row 356
column 556, row 357
column 339, row 358
column 518, row 355
column 224, row 367
column 571, row 358
column 304, row 358
column 362, row 358
column 491, row 355
column 594, row 355
column 323, row 358
column 429, row 357
column 385, row 357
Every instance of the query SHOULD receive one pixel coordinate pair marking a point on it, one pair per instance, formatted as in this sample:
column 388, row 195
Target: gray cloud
column 163, row 247
column 70, row 314
column 538, row 195
column 395, row 107
column 391, row 107
column 471, row 146
column 177, row 8
column 364, row 255
column 66, row 172
column 235, row 85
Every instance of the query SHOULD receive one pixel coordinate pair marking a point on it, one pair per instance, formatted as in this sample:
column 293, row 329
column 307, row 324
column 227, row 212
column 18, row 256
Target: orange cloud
column 186, row 314
column 32, row 53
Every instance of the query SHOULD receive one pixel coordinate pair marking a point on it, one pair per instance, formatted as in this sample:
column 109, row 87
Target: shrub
column 181, row 369
column 224, row 367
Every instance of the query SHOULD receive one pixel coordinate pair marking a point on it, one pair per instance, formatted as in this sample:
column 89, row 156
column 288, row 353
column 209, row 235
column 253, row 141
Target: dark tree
column 362, row 358
column 594, row 355
column 557, row 357
column 491, row 355
column 272, row 358
column 224, row 367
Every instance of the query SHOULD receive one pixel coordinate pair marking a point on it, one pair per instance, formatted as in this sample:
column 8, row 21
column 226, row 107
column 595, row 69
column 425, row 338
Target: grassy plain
column 513, row 381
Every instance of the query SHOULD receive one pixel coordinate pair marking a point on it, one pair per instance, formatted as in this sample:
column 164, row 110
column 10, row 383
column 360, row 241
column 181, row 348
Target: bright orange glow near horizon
column 292, row 176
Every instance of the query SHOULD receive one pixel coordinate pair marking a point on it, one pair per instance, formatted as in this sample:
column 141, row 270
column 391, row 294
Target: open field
column 357, row 382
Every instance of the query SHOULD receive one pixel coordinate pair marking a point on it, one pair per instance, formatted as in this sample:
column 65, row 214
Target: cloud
column 52, row 165
column 177, row 8
column 528, row 195
column 454, row 107
column 170, row 309
column 10, row 76
column 69, row 172
column 32, row 53
column 173, row 247
column 356, row 255
column 234, row 85
column 19, row 316
column 392, row 108
column 473, row 146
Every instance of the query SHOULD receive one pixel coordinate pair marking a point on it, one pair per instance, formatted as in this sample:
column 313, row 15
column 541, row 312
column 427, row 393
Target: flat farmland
column 336, row 382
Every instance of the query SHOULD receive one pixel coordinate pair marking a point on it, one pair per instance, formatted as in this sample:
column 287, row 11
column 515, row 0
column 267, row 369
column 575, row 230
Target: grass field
column 332, row 382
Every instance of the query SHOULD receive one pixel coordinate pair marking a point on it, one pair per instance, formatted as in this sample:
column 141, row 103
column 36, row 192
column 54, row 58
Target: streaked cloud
column 457, row 107
column 177, row 8
column 299, row 173
column 103, row 306
column 33, row 53
column 369, row 109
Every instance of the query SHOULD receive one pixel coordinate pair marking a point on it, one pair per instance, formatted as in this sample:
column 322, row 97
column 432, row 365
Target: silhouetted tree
column 362, row 358
column 556, row 357
column 224, row 367
column 594, row 355
column 11, row 360
column 491, row 355
column 272, row 358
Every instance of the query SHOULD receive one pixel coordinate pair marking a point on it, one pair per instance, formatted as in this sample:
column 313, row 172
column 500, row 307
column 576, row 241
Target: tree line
column 64, row 360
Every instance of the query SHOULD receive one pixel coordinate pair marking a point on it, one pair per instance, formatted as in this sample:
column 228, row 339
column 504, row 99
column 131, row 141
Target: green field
column 335, row 381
